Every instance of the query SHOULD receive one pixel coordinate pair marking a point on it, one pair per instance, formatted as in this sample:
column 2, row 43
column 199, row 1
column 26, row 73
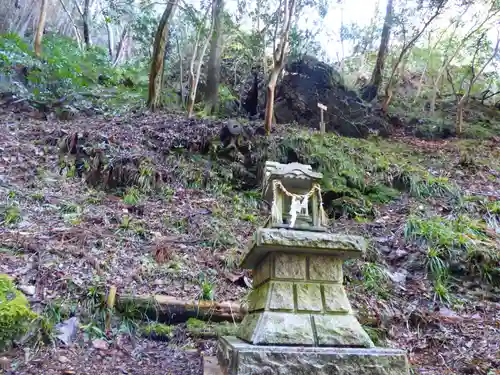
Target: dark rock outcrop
column 308, row 82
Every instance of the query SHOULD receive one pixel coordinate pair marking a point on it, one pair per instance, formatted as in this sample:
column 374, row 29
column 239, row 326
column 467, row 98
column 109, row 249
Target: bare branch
column 78, row 7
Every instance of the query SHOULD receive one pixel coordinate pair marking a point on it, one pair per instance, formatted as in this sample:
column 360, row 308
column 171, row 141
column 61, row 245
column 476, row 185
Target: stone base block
column 280, row 328
column 237, row 357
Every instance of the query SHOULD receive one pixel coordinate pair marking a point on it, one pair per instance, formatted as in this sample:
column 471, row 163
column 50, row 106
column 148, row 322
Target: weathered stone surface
column 274, row 328
column 325, row 268
column 272, row 240
column 248, row 326
column 308, row 297
column 258, row 298
column 240, row 358
column 281, row 296
column 289, row 266
column 341, row 330
column 211, row 366
column 262, row 272
column 336, row 298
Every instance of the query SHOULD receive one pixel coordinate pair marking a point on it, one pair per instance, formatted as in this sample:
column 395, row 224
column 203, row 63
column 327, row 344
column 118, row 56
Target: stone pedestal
column 237, row 357
column 298, row 296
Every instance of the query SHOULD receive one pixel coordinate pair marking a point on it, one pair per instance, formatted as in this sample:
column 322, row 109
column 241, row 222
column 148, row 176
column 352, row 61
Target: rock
column 67, row 330
column 29, row 290
column 63, row 359
column 311, row 81
column 100, row 344
column 398, row 277
column 385, row 249
column 398, row 254
column 476, row 317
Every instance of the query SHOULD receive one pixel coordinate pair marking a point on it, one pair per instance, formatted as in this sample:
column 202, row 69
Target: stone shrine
column 299, row 318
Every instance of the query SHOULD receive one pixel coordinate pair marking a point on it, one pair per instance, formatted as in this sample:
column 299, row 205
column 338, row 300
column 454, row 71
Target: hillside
column 428, row 208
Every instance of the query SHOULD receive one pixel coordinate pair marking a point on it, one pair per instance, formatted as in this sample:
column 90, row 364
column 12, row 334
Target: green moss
column 15, row 313
column 199, row 328
column 10, row 214
column 377, row 335
column 157, row 331
column 39, row 197
column 358, row 173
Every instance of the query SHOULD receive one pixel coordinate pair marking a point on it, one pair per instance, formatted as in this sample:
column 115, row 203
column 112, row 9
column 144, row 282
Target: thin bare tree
column 40, row 28
column 284, row 13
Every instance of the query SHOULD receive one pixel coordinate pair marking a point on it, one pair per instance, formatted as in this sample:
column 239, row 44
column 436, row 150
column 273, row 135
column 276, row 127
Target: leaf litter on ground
column 69, row 234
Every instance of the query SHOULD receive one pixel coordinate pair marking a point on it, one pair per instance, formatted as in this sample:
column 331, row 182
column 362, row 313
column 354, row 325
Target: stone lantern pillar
column 299, row 318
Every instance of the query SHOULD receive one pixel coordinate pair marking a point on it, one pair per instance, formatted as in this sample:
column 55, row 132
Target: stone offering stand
column 299, row 318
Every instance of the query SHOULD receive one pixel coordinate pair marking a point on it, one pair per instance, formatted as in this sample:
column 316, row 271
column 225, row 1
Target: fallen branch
column 174, row 310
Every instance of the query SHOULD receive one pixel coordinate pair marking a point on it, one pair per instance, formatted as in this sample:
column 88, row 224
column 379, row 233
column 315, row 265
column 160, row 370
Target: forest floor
column 65, row 240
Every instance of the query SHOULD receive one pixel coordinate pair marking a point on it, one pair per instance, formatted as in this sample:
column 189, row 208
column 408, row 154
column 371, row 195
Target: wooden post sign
column 322, row 108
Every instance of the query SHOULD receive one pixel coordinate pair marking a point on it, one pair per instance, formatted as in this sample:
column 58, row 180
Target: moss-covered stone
column 157, row 331
column 241, row 358
column 341, row 330
column 325, row 268
column 15, row 313
column 290, row 266
column 308, row 297
column 287, row 244
column 275, row 328
column 199, row 328
column 281, row 296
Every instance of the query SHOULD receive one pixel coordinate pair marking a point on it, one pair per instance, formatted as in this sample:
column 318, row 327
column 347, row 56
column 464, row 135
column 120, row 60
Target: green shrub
column 455, row 244
column 66, row 70
column 15, row 313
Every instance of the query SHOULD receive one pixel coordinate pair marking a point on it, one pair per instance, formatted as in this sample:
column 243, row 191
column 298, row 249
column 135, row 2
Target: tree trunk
column 388, row 88
column 175, row 310
column 24, row 26
column 86, row 25
column 270, row 100
column 111, row 42
column 158, row 58
column 39, row 30
column 196, row 77
column 214, row 61
column 376, row 78
column 463, row 101
column 192, row 95
column 424, row 72
column 121, row 45
column 279, row 56
column 459, row 121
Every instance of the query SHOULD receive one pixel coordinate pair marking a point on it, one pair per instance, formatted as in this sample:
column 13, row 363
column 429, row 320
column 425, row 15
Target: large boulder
column 308, row 82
